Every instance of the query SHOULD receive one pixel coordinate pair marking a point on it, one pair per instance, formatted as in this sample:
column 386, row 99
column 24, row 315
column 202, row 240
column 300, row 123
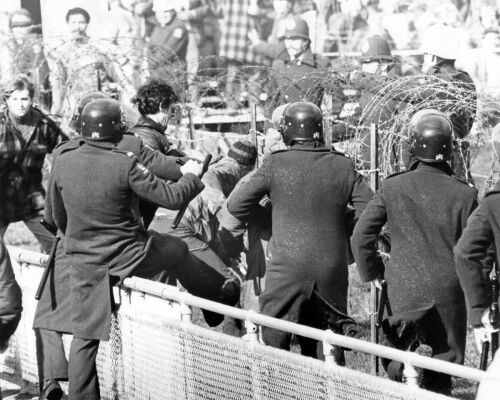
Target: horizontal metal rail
column 173, row 293
column 168, row 292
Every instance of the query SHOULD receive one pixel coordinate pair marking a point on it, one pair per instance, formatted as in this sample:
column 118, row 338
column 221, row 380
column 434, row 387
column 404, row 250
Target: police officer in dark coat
column 297, row 72
column 310, row 188
column 473, row 256
column 53, row 313
column 440, row 48
column 93, row 200
column 425, row 209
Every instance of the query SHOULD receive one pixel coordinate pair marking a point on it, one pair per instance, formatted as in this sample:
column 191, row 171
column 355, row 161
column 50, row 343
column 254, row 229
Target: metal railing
column 253, row 319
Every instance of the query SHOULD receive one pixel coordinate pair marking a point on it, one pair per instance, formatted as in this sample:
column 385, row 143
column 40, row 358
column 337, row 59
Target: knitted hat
column 244, row 152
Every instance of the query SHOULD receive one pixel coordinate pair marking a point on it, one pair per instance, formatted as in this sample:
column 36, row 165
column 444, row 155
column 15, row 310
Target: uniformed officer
column 53, row 313
column 297, row 74
column 310, row 188
column 93, row 198
column 425, row 209
column 440, row 46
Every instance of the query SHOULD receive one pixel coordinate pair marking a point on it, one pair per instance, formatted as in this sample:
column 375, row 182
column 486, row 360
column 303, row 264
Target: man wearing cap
column 168, row 42
column 440, row 46
column 297, row 72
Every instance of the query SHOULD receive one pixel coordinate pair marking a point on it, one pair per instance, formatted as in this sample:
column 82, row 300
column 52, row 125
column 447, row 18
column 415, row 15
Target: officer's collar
column 439, row 168
column 305, row 58
column 101, row 144
column 307, row 147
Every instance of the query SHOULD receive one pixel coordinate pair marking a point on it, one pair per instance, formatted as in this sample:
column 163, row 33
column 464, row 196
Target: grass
column 359, row 303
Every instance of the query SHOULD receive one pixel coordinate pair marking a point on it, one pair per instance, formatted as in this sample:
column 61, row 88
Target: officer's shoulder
column 463, row 182
column 492, row 192
column 395, row 174
column 124, row 153
column 68, row 145
column 320, row 61
column 279, row 151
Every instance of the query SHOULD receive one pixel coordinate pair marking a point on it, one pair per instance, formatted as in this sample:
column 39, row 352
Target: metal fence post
column 373, row 289
column 328, row 351
column 252, row 331
column 411, row 375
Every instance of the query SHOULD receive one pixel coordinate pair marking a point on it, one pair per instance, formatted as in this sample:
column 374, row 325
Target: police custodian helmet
column 301, row 122
column 431, row 136
column 76, row 119
column 102, row 119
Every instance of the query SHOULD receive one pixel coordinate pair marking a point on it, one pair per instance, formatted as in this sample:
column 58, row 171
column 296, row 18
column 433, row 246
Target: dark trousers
column 83, row 381
column 10, row 312
column 315, row 312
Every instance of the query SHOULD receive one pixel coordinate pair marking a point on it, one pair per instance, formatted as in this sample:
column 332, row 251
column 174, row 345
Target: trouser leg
column 83, row 381
column 43, row 235
column 10, row 294
column 51, row 360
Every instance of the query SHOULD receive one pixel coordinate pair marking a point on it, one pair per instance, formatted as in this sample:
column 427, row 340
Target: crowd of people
column 115, row 186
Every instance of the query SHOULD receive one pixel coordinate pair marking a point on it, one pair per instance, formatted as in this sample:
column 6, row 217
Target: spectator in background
column 22, row 53
column 238, row 57
column 77, row 65
column 168, row 45
column 273, row 45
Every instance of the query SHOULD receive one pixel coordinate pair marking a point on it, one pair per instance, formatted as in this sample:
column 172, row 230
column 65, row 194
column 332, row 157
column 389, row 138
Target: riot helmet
column 102, row 120
column 301, row 122
column 76, row 119
column 376, row 48
column 431, row 136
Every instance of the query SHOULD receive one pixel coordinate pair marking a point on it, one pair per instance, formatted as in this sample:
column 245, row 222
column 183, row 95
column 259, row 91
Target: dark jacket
column 482, row 231
column 151, row 134
column 54, row 311
column 298, row 81
column 93, row 200
column 310, row 190
column 426, row 210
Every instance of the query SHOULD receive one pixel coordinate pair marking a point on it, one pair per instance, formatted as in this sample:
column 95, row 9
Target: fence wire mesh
column 151, row 354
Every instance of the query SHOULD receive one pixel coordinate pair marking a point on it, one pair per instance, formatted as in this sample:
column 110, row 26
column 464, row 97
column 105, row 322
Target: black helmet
column 301, row 122
column 431, row 136
column 76, row 119
column 376, row 48
column 102, row 119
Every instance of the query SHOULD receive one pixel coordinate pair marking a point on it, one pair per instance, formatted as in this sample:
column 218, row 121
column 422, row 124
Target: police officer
column 50, row 321
column 376, row 71
column 310, row 188
column 93, row 201
column 425, row 209
column 440, row 46
column 297, row 74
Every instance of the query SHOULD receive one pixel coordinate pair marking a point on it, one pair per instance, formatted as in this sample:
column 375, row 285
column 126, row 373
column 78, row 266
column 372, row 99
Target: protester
column 425, row 209
column 26, row 136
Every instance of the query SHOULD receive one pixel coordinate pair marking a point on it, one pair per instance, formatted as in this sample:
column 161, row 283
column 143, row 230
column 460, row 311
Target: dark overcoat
column 482, row 231
column 298, row 80
column 53, row 310
column 310, row 190
column 426, row 210
column 93, row 200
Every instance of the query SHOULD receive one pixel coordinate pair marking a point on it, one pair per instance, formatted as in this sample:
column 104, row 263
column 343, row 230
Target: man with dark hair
column 425, row 209
column 307, row 275
column 153, row 101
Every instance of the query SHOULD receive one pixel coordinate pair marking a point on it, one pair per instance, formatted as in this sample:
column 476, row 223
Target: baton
column 383, row 303
column 50, row 260
column 181, row 212
column 484, row 356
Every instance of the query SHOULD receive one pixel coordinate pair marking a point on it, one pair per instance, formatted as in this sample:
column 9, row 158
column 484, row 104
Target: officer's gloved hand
column 483, row 333
column 192, row 167
column 378, row 283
